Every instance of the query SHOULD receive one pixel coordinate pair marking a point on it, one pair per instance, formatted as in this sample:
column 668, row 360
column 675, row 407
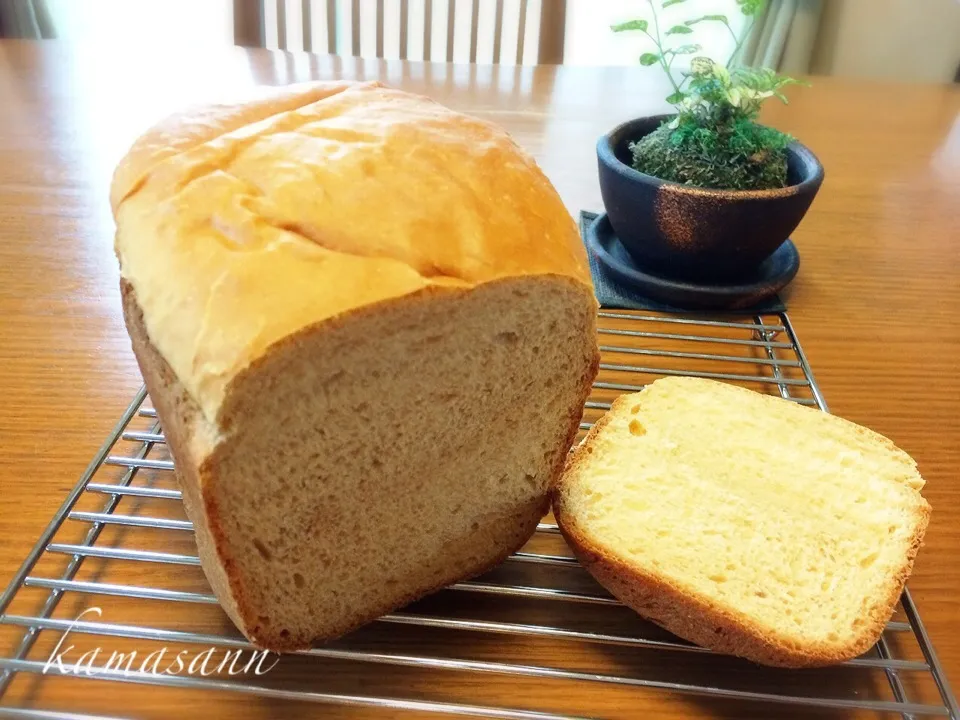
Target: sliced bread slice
column 743, row 522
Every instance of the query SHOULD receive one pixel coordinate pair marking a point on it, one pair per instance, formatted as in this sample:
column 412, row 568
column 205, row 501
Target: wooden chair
column 316, row 22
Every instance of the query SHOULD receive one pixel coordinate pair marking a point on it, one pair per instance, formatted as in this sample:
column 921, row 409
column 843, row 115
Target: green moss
column 737, row 154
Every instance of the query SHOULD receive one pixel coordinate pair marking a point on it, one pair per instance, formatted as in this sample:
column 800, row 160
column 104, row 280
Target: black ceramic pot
column 687, row 232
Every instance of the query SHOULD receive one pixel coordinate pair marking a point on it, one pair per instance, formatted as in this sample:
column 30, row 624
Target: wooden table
column 876, row 304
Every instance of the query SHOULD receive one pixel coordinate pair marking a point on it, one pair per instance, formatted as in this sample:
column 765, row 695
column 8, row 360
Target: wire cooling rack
column 538, row 634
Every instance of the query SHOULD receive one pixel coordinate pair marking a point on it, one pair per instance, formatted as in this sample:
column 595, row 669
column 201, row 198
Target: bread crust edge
column 181, row 420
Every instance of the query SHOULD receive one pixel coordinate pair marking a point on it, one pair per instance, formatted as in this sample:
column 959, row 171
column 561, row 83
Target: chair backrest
column 499, row 31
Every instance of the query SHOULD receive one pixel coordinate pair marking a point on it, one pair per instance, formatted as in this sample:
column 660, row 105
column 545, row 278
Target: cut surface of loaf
column 743, row 522
column 368, row 329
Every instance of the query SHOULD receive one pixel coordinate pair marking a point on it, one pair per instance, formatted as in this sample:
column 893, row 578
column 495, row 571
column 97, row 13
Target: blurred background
column 906, row 40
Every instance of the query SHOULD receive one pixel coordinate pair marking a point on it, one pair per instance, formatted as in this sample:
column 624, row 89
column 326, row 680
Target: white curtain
column 784, row 35
column 29, row 19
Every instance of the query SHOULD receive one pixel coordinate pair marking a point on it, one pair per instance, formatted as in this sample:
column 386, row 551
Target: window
column 589, row 40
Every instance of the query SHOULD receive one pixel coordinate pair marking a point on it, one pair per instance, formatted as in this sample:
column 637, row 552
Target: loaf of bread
column 743, row 522
column 367, row 324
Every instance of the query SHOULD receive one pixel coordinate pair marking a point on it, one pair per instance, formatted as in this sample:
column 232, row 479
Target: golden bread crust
column 239, row 225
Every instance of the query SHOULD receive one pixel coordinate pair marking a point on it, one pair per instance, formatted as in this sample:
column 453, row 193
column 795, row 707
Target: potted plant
column 705, row 193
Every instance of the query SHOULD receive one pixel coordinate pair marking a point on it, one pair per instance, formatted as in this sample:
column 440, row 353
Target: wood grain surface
column 876, row 306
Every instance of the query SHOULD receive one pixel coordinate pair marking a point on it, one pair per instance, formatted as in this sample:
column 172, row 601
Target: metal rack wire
column 125, row 512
